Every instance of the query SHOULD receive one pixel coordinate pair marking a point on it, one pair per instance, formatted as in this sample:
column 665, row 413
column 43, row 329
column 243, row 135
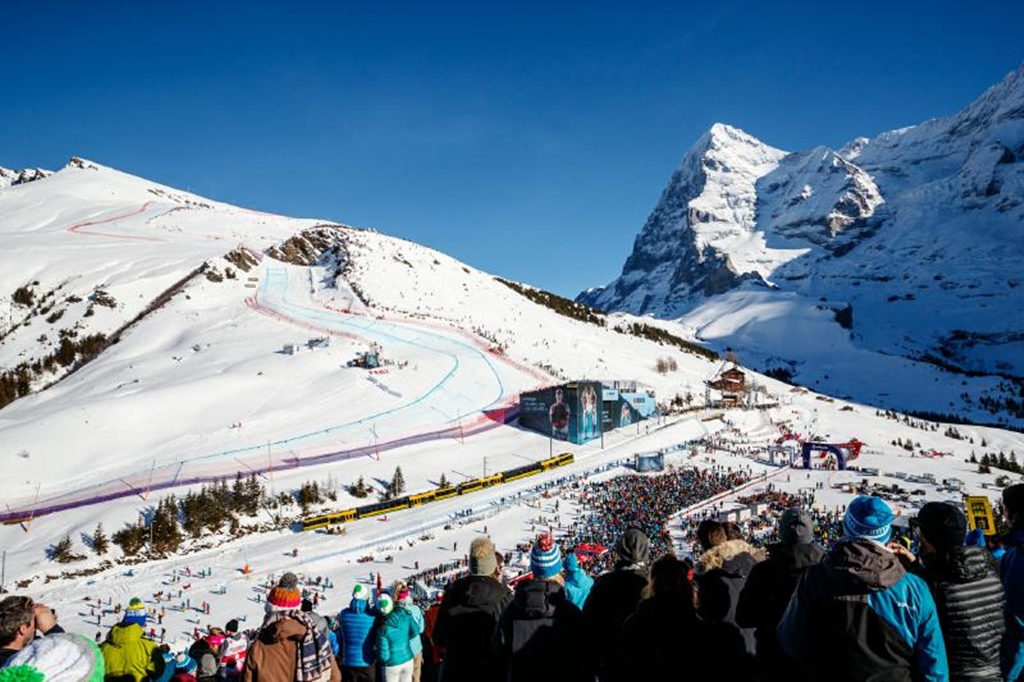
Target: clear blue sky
column 527, row 139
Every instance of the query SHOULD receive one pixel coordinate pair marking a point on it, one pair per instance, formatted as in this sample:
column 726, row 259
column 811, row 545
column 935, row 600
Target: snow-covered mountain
column 870, row 271
column 10, row 177
column 123, row 301
column 153, row 341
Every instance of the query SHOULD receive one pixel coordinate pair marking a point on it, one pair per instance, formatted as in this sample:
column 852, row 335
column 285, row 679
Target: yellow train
column 419, row 499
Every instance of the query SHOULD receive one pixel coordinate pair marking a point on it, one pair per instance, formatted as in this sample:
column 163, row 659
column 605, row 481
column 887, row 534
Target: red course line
column 77, row 228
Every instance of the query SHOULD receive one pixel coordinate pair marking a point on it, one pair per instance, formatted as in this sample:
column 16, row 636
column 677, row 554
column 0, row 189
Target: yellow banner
column 979, row 515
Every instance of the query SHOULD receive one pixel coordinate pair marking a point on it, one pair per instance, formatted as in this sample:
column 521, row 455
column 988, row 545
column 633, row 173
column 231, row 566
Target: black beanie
column 1013, row 498
column 633, row 546
column 942, row 525
column 232, row 626
column 796, row 527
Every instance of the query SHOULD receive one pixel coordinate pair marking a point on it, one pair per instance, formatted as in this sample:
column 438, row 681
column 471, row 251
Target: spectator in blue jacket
column 356, row 631
column 1011, row 573
column 859, row 615
column 577, row 581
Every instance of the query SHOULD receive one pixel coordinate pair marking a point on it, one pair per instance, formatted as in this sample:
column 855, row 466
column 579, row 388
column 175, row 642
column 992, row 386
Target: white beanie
column 60, row 657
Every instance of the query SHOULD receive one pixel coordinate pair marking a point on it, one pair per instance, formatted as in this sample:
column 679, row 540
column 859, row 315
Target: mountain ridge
column 911, row 232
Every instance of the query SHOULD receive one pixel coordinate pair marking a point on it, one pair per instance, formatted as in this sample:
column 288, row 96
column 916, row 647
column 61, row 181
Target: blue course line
column 278, row 277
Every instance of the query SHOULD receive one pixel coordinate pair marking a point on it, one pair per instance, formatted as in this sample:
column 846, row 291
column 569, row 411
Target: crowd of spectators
column 797, row 602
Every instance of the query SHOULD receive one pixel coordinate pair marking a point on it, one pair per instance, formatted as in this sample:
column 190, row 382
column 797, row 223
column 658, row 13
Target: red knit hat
column 285, row 595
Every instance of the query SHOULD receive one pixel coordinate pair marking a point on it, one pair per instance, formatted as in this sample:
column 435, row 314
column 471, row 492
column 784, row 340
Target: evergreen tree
column 309, row 494
column 443, row 483
column 191, row 509
column 62, row 553
column 214, row 511
column 359, row 489
column 164, row 530
column 238, row 493
column 131, row 539
column 100, row 544
column 253, row 496
column 397, row 483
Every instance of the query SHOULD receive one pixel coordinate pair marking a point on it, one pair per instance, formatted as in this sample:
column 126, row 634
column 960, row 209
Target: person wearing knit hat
column 404, row 600
column 60, row 657
column 545, row 558
column 481, row 557
column 183, row 663
column 232, row 652
column 633, row 547
column 868, row 517
column 394, row 635
column 541, row 630
column 285, row 596
column 468, row 616
column 356, row 625
column 614, row 597
column 385, row 604
column 289, row 645
column 206, row 668
column 135, row 612
column 862, row 581
column 968, row 595
column 127, row 652
column 769, row 586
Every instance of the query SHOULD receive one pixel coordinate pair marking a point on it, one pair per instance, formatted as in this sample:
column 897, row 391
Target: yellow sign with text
column 979, row 515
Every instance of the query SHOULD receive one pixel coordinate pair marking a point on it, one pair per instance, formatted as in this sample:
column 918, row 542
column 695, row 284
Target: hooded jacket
column 130, row 656
column 274, row 654
column 466, row 623
column 721, row 574
column 970, row 602
column 540, row 635
column 577, row 582
column 356, row 633
column 765, row 596
column 860, row 616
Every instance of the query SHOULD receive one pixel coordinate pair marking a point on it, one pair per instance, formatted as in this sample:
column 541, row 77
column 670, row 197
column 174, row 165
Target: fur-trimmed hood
column 719, row 555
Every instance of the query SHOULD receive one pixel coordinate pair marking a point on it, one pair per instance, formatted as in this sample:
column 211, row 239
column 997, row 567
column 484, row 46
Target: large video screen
column 569, row 413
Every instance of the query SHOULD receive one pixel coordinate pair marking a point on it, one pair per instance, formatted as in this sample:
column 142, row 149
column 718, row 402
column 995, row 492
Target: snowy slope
column 908, row 242
column 202, row 340
column 197, row 387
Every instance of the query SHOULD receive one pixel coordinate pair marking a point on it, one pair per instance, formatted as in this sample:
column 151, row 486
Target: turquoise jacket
column 416, row 644
column 394, row 637
column 577, row 582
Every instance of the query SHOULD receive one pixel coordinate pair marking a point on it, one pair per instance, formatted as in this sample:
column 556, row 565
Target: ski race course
column 466, row 393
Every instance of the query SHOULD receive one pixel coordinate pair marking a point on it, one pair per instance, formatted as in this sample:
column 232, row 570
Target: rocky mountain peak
column 915, row 229
column 9, row 177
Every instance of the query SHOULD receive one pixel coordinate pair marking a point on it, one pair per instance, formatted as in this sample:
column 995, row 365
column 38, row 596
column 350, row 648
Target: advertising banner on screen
column 568, row 412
